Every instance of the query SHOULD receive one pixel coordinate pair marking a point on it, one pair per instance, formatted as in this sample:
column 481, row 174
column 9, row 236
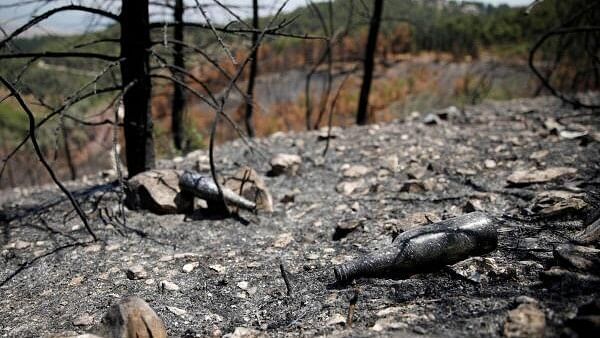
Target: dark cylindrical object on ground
column 426, row 248
column 204, row 187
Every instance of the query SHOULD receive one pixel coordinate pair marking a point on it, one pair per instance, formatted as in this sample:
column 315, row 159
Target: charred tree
column 369, row 61
column 179, row 99
column 253, row 71
column 135, row 72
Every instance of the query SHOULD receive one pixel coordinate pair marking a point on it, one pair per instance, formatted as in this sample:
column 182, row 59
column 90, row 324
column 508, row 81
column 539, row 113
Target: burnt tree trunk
column 253, row 71
column 135, row 73
column 363, row 103
column 178, row 104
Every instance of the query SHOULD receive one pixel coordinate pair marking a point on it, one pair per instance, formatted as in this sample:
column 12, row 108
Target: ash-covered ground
column 374, row 183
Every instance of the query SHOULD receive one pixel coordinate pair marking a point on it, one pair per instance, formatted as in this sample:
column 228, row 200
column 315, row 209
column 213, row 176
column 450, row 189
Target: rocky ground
column 532, row 164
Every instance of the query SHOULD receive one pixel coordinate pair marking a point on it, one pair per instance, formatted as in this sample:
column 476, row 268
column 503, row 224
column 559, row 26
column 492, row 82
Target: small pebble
column 169, row 286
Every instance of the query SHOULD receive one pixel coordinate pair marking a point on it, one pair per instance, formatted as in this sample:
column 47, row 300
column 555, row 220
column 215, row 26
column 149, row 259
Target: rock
column 136, row 272
column 336, row 319
column 527, row 320
column 416, row 171
column 75, row 335
column 589, row 235
column 572, row 134
column 479, row 269
column 389, row 311
column 539, row 176
column 563, row 279
column 356, row 171
column 283, row 240
column 169, row 286
column 417, row 219
column 218, row 268
column 345, row 227
column 473, row 205
column 413, row 186
column 538, row 155
column 249, row 184
column 19, row 245
column 349, row 187
column 385, row 324
column 285, row 164
column 324, row 133
column 290, row 196
column 131, row 318
column 553, row 126
column 243, row 285
column 390, row 163
column 431, row 119
column 525, row 300
column 578, row 257
column 466, row 172
column 244, row 332
column 157, row 191
column 489, row 164
column 76, row 281
column 554, row 203
column 189, row 267
column 587, row 321
column 83, row 320
column 176, row 311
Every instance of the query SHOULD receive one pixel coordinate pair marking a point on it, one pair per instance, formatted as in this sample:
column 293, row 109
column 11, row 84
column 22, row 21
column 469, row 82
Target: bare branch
column 214, row 31
column 545, row 81
column 53, row 11
column 32, row 128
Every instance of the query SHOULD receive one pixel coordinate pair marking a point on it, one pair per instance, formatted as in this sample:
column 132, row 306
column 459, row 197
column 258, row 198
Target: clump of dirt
column 207, row 275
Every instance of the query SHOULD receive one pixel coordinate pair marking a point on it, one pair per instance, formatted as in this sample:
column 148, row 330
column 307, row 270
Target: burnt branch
column 40, row 155
column 77, row 97
column 544, row 79
column 53, row 11
column 29, row 263
column 214, row 31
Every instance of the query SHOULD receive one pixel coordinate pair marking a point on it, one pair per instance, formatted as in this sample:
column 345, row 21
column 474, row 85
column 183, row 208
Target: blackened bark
column 363, row 103
column 178, row 104
column 253, row 72
column 135, row 70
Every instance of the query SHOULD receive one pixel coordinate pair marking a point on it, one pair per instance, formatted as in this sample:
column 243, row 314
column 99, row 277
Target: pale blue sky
column 75, row 22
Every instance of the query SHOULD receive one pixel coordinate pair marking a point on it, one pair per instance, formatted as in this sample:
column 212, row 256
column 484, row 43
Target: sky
column 76, row 22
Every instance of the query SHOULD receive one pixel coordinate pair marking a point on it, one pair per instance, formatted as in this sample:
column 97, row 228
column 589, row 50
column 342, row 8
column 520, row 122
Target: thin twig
column 352, row 307
column 32, row 128
column 214, row 31
column 286, row 279
column 29, row 263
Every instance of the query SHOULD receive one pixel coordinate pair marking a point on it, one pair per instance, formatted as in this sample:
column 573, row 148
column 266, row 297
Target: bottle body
column 204, row 187
column 426, row 248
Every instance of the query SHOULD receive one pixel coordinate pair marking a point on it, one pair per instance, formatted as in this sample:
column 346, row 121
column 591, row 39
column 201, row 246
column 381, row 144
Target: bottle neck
column 369, row 266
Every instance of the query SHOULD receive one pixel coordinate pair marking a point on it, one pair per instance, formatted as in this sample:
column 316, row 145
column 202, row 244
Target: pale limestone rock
column 285, row 164
column 131, row 318
column 527, row 320
column 249, row 184
column 157, row 191
column 539, row 176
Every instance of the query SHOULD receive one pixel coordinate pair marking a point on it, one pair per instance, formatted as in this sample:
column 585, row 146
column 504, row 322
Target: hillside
column 424, row 168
